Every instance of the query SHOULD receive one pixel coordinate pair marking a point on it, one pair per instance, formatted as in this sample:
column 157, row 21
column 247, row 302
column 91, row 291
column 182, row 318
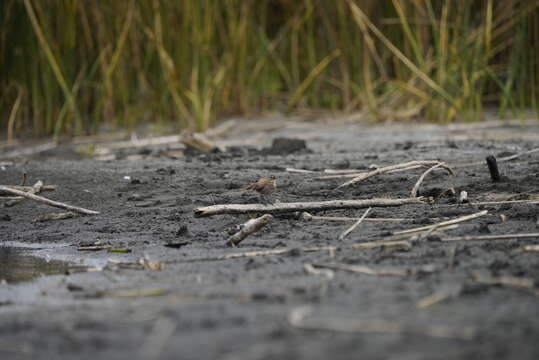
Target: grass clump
column 70, row 67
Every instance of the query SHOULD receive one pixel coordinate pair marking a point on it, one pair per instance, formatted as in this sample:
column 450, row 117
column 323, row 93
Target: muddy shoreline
column 241, row 307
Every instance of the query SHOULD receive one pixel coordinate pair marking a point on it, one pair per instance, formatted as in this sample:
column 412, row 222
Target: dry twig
column 444, row 223
column 356, row 224
column 307, row 216
column 49, row 202
column 402, row 167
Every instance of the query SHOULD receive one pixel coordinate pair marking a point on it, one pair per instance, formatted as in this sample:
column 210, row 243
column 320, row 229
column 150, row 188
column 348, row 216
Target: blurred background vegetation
column 69, row 67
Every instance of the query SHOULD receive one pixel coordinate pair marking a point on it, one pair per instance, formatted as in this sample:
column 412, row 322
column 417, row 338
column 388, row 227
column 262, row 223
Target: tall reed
column 74, row 66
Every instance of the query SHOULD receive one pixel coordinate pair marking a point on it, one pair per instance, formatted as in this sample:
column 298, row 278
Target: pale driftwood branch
column 301, row 206
column 36, row 189
column 492, row 237
column 386, row 169
column 248, row 228
column 308, row 217
column 356, row 224
column 415, row 189
column 49, row 202
column 444, row 223
column 302, row 318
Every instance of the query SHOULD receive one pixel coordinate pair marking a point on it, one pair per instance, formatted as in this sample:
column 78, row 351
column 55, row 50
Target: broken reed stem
column 336, row 174
column 364, row 269
column 307, row 216
column 301, row 318
column 356, row 224
column 403, row 166
column 415, row 189
column 493, row 168
column 54, row 216
column 248, row 228
column 444, row 223
column 301, row 206
column 531, row 201
column 511, row 281
column 301, row 171
column 530, row 248
column 49, row 202
column 492, row 237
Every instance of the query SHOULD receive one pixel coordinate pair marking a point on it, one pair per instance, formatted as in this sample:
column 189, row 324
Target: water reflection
column 17, row 265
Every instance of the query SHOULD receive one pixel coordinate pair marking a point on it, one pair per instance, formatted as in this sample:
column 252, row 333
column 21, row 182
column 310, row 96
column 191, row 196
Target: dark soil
column 239, row 308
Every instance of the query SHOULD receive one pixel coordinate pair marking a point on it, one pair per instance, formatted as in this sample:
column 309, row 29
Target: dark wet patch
column 17, row 265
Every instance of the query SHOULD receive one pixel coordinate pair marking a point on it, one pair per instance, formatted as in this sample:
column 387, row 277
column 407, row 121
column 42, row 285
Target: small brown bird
column 264, row 186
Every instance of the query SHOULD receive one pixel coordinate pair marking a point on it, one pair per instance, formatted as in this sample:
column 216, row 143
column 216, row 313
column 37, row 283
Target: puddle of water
column 16, row 265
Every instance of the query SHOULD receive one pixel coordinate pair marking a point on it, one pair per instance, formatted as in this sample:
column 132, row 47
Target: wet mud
column 203, row 305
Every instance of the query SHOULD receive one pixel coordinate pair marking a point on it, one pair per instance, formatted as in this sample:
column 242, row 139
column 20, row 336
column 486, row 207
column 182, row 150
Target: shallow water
column 18, row 265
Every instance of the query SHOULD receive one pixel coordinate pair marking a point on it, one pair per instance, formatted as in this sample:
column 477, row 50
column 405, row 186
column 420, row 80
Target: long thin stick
column 301, row 206
column 47, row 201
column 415, row 189
column 356, row 224
column 385, row 169
column 307, row 216
column 354, row 173
column 492, row 237
column 364, row 269
column 444, row 223
column 301, row 318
